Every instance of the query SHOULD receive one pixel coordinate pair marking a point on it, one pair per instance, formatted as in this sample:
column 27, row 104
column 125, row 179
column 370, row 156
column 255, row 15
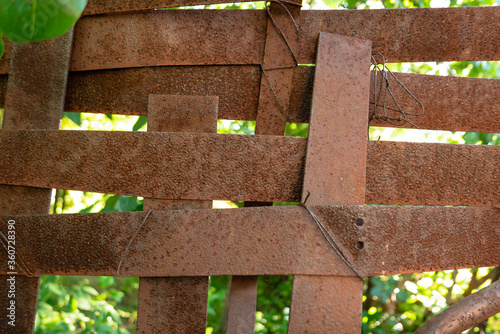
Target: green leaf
column 76, row 117
column 90, row 290
column 36, row 20
column 140, row 123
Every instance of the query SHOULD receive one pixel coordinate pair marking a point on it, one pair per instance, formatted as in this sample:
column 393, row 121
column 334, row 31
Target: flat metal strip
column 275, row 89
column 242, row 305
column 433, row 174
column 34, row 100
column 176, row 304
column 335, row 173
column 277, row 68
column 218, row 37
column 327, row 303
column 260, row 241
column 158, row 164
column 451, row 103
column 267, row 167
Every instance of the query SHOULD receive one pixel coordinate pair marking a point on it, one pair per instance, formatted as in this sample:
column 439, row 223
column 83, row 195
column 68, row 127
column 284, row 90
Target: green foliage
column 70, row 304
column 75, row 117
column 482, row 138
column 274, row 294
column 141, row 121
column 217, row 298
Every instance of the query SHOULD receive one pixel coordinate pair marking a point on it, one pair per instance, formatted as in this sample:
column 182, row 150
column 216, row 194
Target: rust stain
column 272, row 241
column 176, row 304
column 269, row 168
column 335, row 173
column 237, row 37
column 31, row 105
column 451, row 103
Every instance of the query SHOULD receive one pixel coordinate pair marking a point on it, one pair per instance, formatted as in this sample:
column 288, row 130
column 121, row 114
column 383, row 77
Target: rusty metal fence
column 185, row 69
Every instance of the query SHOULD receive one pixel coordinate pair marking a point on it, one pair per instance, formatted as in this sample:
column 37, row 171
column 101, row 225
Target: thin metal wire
column 23, row 265
column 277, row 27
column 384, row 71
column 328, row 237
column 130, row 243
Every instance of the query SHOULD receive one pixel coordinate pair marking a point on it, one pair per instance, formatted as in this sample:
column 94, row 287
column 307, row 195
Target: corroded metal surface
column 278, row 68
column 328, row 305
column 173, row 37
column 451, row 103
column 26, row 291
column 36, row 89
column 273, row 104
column 268, row 168
column 335, row 173
column 126, row 91
column 335, row 168
column 242, row 305
column 194, row 37
column 166, row 305
column 35, row 99
column 409, row 35
column 176, row 304
column 260, row 241
column 157, row 164
column 466, row 313
column 175, row 113
column 433, row 174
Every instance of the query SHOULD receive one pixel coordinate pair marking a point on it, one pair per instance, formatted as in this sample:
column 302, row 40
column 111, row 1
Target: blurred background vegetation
column 392, row 304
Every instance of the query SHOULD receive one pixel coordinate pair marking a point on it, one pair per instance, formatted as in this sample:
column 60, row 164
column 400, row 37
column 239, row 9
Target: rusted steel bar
column 158, row 164
column 451, row 103
column 433, row 174
column 277, row 68
column 335, row 168
column 35, row 99
column 259, row 241
column 171, row 37
column 335, row 173
column 242, row 305
column 267, row 168
column 274, row 96
column 217, row 37
column 466, row 313
column 176, row 304
column 334, row 302
column 407, row 35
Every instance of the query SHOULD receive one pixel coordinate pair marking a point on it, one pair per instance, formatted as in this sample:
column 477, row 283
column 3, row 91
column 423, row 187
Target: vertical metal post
column 274, row 98
column 335, row 173
column 176, row 304
column 35, row 99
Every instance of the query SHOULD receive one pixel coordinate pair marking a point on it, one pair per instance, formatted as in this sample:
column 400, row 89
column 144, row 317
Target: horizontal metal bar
column 263, row 240
column 451, row 103
column 433, row 174
column 223, row 37
column 158, row 164
column 235, row 167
